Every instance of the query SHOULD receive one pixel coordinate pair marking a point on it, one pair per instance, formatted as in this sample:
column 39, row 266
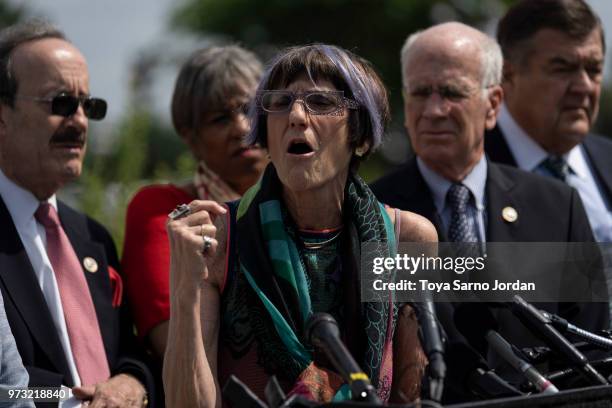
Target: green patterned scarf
column 270, row 261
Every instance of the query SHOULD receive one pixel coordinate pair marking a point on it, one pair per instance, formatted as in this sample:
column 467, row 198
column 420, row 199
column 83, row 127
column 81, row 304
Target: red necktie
column 79, row 313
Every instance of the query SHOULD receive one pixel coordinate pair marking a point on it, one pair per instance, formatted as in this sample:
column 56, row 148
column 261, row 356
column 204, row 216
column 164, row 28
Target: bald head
column 451, row 75
column 50, row 58
column 456, row 42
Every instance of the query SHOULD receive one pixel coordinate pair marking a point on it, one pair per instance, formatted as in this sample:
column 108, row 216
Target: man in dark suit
column 451, row 76
column 58, row 268
column 553, row 68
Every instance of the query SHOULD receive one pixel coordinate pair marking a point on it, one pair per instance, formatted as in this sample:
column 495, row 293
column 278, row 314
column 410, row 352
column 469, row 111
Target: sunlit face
column 309, row 151
column 554, row 94
column 220, row 143
column 446, row 110
column 41, row 151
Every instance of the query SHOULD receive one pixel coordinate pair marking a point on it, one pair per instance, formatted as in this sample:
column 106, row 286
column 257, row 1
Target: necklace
column 321, row 244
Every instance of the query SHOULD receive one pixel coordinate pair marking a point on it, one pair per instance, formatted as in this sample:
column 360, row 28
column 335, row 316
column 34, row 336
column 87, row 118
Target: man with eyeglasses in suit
column 58, row 267
column 452, row 94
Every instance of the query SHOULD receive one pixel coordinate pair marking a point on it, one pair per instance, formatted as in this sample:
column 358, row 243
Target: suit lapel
column 86, row 249
column 601, row 163
column 497, row 148
column 499, row 196
column 23, row 290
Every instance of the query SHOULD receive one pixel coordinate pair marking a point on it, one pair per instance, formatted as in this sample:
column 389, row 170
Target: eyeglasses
column 316, row 102
column 66, row 105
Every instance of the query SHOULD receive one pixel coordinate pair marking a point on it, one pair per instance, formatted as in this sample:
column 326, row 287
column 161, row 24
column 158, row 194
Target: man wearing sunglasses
column 58, row 268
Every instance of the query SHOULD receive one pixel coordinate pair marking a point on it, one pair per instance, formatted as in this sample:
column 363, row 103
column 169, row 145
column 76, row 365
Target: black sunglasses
column 66, row 105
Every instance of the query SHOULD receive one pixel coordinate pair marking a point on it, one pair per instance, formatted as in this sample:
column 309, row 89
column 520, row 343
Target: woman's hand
column 196, row 271
column 193, row 243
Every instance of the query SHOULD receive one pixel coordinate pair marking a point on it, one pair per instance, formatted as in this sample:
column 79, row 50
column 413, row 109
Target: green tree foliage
column 373, row 29
column 10, row 14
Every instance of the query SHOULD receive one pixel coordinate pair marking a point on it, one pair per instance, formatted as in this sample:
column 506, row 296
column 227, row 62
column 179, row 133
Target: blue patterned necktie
column 460, row 229
column 557, row 167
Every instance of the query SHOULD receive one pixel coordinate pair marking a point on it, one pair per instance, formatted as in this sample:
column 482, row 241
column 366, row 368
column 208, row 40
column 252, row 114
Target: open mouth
column 299, row 147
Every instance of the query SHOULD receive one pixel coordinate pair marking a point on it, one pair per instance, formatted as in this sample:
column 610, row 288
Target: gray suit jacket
column 12, row 372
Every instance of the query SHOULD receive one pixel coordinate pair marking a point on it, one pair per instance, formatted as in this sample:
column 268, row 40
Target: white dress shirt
column 22, row 205
column 475, row 181
column 528, row 155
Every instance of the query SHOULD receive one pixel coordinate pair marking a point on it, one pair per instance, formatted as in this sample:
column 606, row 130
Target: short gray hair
column 207, row 79
column 11, row 38
column 491, row 59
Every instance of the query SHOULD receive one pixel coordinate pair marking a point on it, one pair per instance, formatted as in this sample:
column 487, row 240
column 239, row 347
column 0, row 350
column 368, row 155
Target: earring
column 359, row 152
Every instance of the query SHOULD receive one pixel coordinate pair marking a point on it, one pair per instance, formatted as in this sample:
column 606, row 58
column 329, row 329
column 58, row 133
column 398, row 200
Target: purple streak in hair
column 360, row 85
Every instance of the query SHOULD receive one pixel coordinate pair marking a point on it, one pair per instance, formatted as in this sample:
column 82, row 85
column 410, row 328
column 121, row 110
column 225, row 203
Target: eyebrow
column 560, row 59
column 453, row 86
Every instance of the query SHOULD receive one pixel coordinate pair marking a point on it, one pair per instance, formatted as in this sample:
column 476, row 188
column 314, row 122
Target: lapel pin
column 90, row 264
column 509, row 214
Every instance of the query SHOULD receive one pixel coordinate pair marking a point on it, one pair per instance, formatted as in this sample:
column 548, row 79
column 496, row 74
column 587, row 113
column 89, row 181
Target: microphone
column 567, row 374
column 504, row 349
column 323, row 333
column 536, row 321
column 566, row 327
column 433, row 347
column 469, row 369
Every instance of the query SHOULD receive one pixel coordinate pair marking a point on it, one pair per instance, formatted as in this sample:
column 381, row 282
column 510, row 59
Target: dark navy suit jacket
column 598, row 151
column 549, row 211
column 30, row 319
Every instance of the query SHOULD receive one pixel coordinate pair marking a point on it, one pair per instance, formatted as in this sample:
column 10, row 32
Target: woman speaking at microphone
column 245, row 278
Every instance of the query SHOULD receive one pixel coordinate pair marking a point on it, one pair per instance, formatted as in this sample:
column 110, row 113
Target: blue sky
column 111, row 33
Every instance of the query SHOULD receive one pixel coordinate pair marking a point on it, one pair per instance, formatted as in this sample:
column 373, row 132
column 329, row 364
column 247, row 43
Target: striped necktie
column 460, row 229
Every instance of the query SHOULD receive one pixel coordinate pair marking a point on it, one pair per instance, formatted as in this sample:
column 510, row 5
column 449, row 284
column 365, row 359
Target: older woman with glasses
column 246, row 278
column 211, row 91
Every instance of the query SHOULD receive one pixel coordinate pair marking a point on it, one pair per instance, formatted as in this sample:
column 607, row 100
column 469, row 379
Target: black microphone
column 564, row 326
column 539, row 324
column 469, row 369
column 504, row 349
column 323, row 333
column 433, row 346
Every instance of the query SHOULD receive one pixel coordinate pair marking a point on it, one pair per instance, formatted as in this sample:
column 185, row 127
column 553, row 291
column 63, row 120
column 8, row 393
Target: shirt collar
column 528, row 154
column 22, row 203
column 475, row 181
column 577, row 162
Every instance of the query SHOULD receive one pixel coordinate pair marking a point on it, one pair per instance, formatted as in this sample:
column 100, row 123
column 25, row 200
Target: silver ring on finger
column 207, row 243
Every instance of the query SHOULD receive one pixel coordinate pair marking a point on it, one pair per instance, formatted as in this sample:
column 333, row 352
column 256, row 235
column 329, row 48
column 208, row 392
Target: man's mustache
column 68, row 135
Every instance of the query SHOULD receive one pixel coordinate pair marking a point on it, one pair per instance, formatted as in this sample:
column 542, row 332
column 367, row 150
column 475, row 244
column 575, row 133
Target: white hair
column 491, row 59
